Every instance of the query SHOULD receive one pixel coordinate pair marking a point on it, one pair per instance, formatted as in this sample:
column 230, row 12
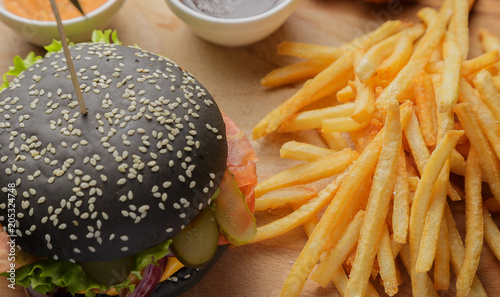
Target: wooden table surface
column 232, row 75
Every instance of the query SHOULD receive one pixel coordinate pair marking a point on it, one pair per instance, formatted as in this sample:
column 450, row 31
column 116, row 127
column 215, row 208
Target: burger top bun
column 128, row 175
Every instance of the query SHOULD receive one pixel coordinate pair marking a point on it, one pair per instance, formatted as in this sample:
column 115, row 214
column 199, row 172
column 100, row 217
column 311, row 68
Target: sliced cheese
column 173, row 265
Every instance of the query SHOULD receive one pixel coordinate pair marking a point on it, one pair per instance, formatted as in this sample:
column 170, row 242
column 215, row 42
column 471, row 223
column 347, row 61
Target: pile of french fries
column 413, row 114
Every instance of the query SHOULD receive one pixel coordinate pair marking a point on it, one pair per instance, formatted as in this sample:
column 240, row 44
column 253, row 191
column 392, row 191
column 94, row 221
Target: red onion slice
column 150, row 278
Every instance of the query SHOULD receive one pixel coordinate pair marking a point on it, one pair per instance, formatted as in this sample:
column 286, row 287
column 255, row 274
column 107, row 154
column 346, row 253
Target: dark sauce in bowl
column 231, row 9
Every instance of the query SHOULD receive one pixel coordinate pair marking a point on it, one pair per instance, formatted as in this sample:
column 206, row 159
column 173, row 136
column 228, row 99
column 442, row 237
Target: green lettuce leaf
column 104, row 36
column 20, row 64
column 151, row 255
column 56, row 46
column 44, row 276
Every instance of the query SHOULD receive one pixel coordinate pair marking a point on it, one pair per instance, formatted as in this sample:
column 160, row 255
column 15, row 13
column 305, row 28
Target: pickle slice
column 109, row 272
column 233, row 216
column 197, row 243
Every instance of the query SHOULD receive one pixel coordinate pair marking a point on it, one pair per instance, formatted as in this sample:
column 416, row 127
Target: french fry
column 363, row 137
column 335, row 140
column 491, row 233
column 401, row 207
column 371, row 38
column 442, row 261
column 492, row 205
column 358, row 201
column 372, row 74
column 483, row 114
column 335, row 76
column 406, row 259
column 421, row 203
column 453, row 193
column 365, row 95
column 376, row 211
column 489, row 163
column 339, row 277
column 294, row 73
column 308, row 225
column 332, row 79
column 416, row 142
column 294, row 194
column 372, row 59
column 489, row 93
column 446, row 7
column 496, row 82
column 413, row 182
column 469, row 67
column 426, row 105
column 388, row 272
column 311, row 252
column 451, row 76
column 309, row 51
column 457, row 163
column 447, row 99
column 483, row 61
column 350, row 260
column 471, row 3
column 459, row 25
column 308, row 172
column 346, row 94
column 419, row 150
column 302, row 214
column 395, row 248
column 378, row 91
column 365, row 101
column 489, row 42
column 330, row 89
column 417, row 62
column 342, row 124
column 473, row 225
column 430, row 235
column 400, row 55
column 303, row 151
column 311, row 119
column 340, row 280
column 339, row 253
column 458, row 253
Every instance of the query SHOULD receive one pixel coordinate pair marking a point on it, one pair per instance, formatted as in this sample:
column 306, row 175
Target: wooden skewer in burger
column 65, row 47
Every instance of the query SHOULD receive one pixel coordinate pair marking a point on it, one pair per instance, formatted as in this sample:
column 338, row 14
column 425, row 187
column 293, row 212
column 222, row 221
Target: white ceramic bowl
column 237, row 31
column 77, row 29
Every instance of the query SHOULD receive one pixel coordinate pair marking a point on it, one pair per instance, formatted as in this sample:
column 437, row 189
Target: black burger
column 153, row 178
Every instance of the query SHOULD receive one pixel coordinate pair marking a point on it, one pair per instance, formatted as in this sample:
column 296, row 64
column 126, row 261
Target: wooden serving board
column 232, row 75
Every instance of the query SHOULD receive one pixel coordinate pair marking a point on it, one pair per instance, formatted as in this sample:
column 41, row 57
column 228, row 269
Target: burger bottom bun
column 173, row 289
column 186, row 279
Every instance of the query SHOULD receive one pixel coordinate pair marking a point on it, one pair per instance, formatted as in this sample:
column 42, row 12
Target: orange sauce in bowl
column 41, row 10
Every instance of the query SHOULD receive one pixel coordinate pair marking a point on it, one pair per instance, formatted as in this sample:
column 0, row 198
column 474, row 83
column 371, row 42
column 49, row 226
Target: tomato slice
column 241, row 161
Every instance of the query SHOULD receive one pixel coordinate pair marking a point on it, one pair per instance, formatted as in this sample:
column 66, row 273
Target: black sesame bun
column 128, row 175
